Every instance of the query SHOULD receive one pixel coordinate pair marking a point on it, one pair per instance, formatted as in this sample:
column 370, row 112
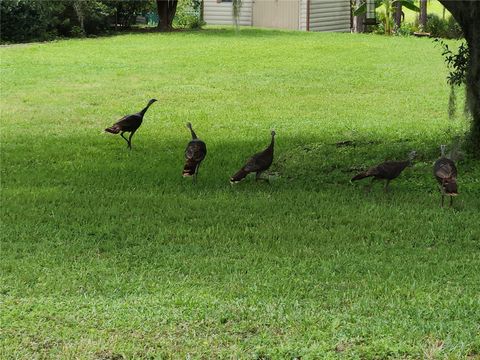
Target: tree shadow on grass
column 220, row 32
column 224, row 31
column 301, row 164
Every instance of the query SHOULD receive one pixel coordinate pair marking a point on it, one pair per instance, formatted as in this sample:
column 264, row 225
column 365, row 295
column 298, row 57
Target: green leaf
column 362, row 9
column 409, row 5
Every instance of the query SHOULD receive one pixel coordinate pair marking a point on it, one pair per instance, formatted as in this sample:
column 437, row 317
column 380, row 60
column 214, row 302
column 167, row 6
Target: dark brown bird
column 445, row 172
column 388, row 170
column 129, row 123
column 257, row 164
column 194, row 154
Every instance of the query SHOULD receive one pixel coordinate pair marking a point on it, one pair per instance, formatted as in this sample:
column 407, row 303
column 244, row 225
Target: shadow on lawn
column 215, row 32
column 301, row 163
column 227, row 32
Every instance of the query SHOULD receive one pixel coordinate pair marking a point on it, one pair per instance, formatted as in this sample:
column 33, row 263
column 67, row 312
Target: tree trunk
column 423, row 15
column 166, row 13
column 77, row 5
column 172, row 9
column 467, row 14
column 358, row 21
column 398, row 16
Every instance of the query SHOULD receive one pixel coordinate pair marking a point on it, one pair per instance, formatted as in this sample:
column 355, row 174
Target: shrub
column 188, row 15
column 82, row 17
column 436, row 26
column 124, row 12
column 38, row 20
column 454, row 31
column 441, row 28
column 380, row 27
column 407, row 29
column 24, row 20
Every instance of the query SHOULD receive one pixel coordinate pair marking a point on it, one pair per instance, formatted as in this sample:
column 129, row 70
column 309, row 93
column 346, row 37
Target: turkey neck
column 272, row 143
column 194, row 136
column 145, row 109
column 409, row 162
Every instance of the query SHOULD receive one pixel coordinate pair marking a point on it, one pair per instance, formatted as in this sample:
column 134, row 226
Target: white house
column 306, row 15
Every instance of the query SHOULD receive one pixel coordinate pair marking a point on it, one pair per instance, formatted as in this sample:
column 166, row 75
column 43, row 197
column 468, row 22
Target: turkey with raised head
column 257, row 164
column 445, row 172
column 129, row 124
column 194, row 154
column 387, row 170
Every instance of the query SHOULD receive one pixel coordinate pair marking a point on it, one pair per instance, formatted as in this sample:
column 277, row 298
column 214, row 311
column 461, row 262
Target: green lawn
column 108, row 252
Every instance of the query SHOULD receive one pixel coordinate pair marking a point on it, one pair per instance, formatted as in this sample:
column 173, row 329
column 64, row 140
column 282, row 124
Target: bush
column 24, row 20
column 441, row 28
column 38, row 20
column 188, row 15
column 436, row 25
column 125, row 12
column 407, row 29
column 380, row 27
column 92, row 14
column 454, row 31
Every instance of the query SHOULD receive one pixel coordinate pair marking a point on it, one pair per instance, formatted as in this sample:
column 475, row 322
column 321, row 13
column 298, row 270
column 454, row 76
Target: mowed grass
column 108, row 253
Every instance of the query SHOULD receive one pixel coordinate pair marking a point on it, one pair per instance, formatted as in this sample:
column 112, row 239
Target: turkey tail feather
column 189, row 169
column 239, row 176
column 360, row 176
column 450, row 188
column 113, row 129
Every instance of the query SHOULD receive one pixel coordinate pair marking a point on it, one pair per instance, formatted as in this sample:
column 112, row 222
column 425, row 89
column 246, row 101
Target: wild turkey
column 388, row 170
column 129, row 123
column 445, row 172
column 194, row 154
column 258, row 163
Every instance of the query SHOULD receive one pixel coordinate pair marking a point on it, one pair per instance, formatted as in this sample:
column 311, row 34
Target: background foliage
column 40, row 20
column 188, row 15
column 34, row 20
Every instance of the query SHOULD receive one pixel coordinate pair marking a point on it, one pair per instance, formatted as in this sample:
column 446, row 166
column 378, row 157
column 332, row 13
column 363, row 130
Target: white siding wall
column 325, row 15
column 220, row 13
column 330, row 15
